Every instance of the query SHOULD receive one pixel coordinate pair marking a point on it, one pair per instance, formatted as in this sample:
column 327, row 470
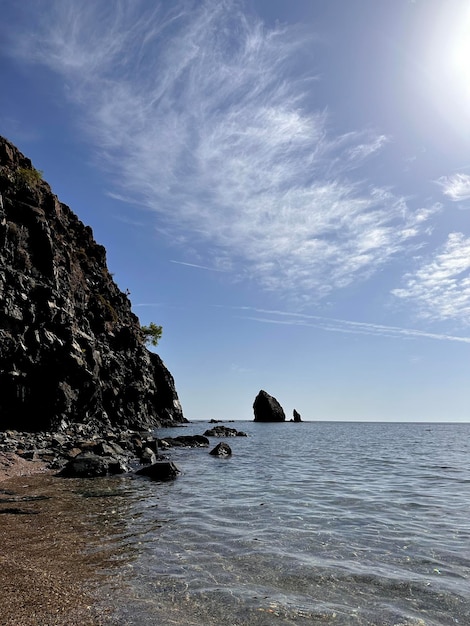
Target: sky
column 283, row 185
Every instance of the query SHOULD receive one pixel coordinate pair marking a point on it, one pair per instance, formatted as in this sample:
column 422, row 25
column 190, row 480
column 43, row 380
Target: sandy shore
column 12, row 465
column 47, row 575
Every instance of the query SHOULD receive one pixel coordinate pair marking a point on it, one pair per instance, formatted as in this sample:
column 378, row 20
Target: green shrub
column 26, row 177
column 152, row 333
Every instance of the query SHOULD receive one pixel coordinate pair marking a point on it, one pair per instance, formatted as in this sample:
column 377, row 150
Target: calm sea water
column 311, row 523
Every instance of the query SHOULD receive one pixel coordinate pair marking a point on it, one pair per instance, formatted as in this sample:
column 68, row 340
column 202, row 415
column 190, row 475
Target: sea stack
column 267, row 409
column 71, row 350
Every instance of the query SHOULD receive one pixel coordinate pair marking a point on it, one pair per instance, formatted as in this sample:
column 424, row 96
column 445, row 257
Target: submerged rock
column 267, row 409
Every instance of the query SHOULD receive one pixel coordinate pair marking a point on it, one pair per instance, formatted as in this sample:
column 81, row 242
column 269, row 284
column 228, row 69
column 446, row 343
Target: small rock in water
column 221, row 431
column 163, row 470
column 221, row 450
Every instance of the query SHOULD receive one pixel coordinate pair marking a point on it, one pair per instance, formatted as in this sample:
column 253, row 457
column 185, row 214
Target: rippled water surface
column 312, row 523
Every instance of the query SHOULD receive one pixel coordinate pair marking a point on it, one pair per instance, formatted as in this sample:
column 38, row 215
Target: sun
column 459, row 52
column 442, row 54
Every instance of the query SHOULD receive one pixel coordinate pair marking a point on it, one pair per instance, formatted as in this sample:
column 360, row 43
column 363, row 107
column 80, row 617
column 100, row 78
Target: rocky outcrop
column 267, row 409
column 81, row 451
column 71, row 350
column 296, row 416
column 224, row 431
column 184, row 441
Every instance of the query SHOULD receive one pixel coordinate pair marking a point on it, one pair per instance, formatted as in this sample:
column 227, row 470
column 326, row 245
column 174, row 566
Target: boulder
column 297, row 417
column 224, row 431
column 267, row 409
column 148, row 457
column 162, row 470
column 184, row 441
column 89, row 465
column 221, row 450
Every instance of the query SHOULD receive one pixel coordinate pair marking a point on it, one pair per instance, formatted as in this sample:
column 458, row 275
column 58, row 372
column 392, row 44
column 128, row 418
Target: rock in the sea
column 162, row 470
column 90, row 465
column 267, row 409
column 224, row 431
column 296, row 416
column 184, row 441
column 222, row 450
column 71, row 350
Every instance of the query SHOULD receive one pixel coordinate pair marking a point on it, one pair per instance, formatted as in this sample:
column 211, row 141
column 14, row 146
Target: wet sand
column 12, row 465
column 48, row 567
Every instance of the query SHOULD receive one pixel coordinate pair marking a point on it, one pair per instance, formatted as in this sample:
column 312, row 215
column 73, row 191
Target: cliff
column 71, row 350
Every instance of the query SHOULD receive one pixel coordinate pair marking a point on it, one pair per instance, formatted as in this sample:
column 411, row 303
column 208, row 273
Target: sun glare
column 443, row 57
column 459, row 57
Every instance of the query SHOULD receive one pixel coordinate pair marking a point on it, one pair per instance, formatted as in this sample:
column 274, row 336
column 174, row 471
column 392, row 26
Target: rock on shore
column 71, row 350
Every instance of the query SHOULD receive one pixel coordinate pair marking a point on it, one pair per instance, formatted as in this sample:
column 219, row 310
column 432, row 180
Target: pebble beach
column 46, row 577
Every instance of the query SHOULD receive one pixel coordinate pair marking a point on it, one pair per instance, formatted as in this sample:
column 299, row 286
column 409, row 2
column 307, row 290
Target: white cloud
column 201, row 267
column 364, row 150
column 343, row 326
column 198, row 114
column 456, row 187
column 440, row 288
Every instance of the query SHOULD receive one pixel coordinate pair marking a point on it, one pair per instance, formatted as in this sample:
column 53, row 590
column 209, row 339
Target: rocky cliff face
column 71, row 350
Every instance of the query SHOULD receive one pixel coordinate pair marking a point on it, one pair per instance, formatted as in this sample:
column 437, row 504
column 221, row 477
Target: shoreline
column 48, row 574
column 12, row 465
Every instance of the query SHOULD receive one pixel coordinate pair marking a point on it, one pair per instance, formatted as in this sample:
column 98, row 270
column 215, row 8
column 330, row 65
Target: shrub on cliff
column 152, row 333
column 26, row 177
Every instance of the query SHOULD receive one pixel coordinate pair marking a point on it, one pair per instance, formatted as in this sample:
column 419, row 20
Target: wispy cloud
column 342, row 326
column 198, row 113
column 149, row 304
column 201, row 267
column 456, row 187
column 440, row 288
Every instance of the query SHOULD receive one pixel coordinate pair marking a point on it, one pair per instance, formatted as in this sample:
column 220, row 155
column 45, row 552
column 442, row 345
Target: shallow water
column 312, row 523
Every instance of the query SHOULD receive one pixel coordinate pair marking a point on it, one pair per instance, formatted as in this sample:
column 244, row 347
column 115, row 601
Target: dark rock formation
column 71, row 350
column 89, row 465
column 224, row 431
column 297, row 417
column 267, row 409
column 163, row 470
column 83, row 451
column 221, row 450
column 184, row 441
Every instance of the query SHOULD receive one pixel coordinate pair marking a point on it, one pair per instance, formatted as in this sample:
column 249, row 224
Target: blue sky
column 283, row 185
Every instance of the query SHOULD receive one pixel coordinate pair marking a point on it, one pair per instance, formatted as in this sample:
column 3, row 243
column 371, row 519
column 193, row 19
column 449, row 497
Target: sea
column 338, row 523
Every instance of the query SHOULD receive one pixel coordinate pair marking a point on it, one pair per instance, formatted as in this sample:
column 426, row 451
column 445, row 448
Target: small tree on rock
column 152, row 333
